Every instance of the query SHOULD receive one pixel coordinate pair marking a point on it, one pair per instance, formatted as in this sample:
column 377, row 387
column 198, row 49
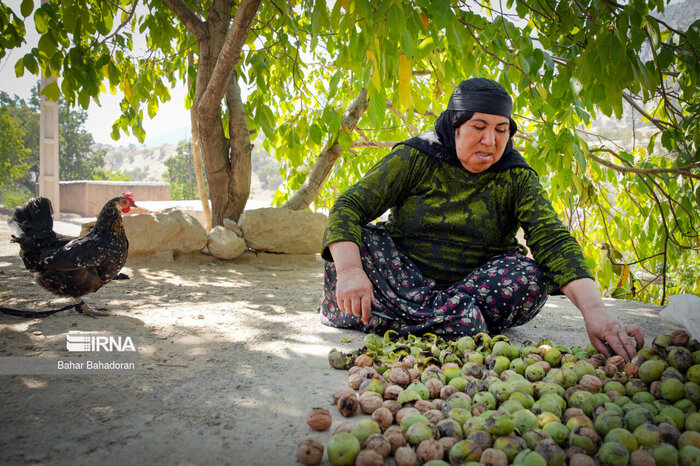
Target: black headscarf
column 473, row 95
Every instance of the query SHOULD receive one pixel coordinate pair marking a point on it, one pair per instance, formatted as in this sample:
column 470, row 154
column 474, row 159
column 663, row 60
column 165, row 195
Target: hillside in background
column 682, row 14
column 140, row 163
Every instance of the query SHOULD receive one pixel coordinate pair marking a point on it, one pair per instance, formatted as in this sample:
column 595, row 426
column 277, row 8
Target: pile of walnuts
column 484, row 400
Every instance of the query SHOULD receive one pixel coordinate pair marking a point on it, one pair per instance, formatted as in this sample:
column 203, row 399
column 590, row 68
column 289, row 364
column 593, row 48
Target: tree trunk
column 190, row 171
column 212, row 139
column 220, row 42
column 318, row 175
column 199, row 175
column 241, row 148
column 224, row 172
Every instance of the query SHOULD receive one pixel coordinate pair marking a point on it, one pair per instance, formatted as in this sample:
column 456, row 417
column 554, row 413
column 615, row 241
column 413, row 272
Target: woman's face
column 481, row 140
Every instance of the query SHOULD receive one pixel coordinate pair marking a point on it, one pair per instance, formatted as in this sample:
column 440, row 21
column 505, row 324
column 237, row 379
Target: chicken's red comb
column 129, row 196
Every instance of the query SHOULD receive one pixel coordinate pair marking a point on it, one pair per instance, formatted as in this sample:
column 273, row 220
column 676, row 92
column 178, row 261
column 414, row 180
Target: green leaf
column 579, row 156
column 333, row 85
column 295, row 157
column 52, row 91
column 140, row 134
column 225, row 119
column 407, row 42
column 27, row 7
column 565, row 178
column 524, row 64
column 316, row 134
column 617, row 51
column 666, row 57
column 19, row 67
column 107, row 16
column 316, row 15
column 335, row 15
column 367, row 75
column 84, row 100
column 70, row 17
column 425, row 47
column 667, row 140
column 42, row 20
column 345, row 140
column 30, row 64
column 440, row 12
column 693, row 34
column 332, row 121
column 152, row 108
column 469, row 63
column 47, row 45
column 266, row 119
column 653, row 31
column 454, row 34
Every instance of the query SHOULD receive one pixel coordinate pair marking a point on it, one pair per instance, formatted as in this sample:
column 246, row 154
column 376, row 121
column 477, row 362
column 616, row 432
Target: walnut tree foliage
column 13, row 154
column 291, row 70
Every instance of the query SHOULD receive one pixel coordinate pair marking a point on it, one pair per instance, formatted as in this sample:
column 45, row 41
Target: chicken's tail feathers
column 35, row 219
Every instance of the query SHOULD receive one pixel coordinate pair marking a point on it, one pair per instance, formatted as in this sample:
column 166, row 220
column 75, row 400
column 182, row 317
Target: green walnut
column 664, row 454
column 364, row 429
column 623, row 437
column 647, row 435
column 689, row 456
column 613, row 454
column 511, row 445
column 672, row 390
column 343, row 448
column 464, row 451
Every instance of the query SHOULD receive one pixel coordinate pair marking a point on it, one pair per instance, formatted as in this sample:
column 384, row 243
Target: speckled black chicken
column 70, row 266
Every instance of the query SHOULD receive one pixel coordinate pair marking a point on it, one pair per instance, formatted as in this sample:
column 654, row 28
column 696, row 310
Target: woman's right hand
column 353, row 291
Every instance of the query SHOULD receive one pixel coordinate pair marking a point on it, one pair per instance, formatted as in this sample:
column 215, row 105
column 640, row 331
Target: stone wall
column 87, row 198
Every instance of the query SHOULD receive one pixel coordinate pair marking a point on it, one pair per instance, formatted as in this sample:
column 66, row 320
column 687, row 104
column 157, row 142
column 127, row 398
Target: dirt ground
column 231, row 357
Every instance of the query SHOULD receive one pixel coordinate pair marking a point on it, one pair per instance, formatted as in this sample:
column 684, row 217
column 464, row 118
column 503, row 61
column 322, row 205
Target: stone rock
column 225, row 244
column 233, row 226
column 162, row 257
column 150, row 233
column 286, row 231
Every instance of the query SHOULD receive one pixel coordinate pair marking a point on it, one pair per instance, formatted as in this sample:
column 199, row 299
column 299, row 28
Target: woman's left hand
column 610, row 337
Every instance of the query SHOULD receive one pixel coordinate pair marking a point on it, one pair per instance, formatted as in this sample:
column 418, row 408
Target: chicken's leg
column 85, row 308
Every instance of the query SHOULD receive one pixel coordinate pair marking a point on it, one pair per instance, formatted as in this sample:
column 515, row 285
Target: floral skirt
column 505, row 292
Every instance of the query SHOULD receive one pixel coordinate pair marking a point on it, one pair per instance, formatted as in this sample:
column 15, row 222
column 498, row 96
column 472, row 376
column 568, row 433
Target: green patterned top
column 450, row 221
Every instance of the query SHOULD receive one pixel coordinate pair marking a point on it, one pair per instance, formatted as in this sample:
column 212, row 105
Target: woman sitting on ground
column 447, row 260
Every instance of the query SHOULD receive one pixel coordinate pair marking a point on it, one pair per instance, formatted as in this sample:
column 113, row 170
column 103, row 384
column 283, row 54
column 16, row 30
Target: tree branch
column 196, row 154
column 377, row 144
column 124, row 23
column 685, row 171
column 659, row 124
column 228, row 57
column 188, row 18
column 330, row 154
column 486, row 51
column 410, row 126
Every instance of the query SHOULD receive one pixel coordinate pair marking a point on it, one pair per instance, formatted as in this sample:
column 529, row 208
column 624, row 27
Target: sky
column 171, row 124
